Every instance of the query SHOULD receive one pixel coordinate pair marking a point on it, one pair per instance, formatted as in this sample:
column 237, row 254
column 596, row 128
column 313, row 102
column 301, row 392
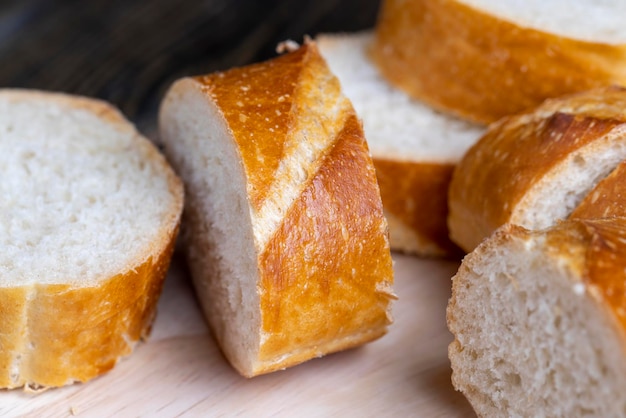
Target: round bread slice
column 283, row 226
column 484, row 59
column 539, row 321
column 535, row 168
column 414, row 147
column 88, row 218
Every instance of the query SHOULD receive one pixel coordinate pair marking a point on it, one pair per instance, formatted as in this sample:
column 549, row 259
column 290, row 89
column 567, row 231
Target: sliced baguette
column 535, row 168
column 538, row 321
column 283, row 227
column 484, row 59
column 88, row 219
column 414, row 147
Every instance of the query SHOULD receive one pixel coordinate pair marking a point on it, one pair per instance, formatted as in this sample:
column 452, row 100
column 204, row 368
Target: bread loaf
column 484, row 59
column 88, row 219
column 535, row 168
column 539, row 321
column 283, row 227
column 414, row 147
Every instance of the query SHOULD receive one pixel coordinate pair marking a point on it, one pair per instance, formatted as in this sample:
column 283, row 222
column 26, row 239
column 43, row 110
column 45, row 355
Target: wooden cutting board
column 181, row 372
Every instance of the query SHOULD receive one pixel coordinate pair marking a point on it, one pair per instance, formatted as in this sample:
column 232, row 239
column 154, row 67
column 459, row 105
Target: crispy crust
column 325, row 268
column 241, row 96
column 606, row 265
column 325, row 288
column 56, row 334
column 73, row 334
column 415, row 199
column 515, row 153
column 481, row 67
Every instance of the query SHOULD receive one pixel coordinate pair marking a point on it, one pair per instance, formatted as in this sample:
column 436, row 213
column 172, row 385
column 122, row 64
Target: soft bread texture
column 484, row 59
column 283, row 227
column 535, row 168
column 414, row 148
column 538, row 321
column 89, row 215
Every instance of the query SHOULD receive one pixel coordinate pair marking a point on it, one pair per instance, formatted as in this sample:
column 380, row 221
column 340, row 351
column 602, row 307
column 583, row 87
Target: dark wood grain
column 129, row 51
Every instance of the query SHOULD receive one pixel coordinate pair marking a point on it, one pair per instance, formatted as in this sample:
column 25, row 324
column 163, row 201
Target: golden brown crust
column 63, row 334
column 416, row 195
column 322, row 271
column 481, row 67
column 77, row 334
column 260, row 103
column 515, row 153
column 242, row 97
column 606, row 260
column 596, row 249
column 12, row 301
column 325, row 269
column 56, row 334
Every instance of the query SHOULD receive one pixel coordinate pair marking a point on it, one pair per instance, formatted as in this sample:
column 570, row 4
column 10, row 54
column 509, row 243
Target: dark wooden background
column 129, row 51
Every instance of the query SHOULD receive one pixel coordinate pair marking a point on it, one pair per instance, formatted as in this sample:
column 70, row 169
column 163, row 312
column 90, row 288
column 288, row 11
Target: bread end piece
column 283, row 226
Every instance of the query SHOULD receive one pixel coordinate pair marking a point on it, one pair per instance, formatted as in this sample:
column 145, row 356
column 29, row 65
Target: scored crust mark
column 535, row 168
column 607, row 199
column 292, row 132
column 268, row 153
column 319, row 111
column 560, row 140
column 291, row 306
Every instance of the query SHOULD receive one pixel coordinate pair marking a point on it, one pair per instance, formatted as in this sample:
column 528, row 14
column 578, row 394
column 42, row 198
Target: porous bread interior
column 588, row 20
column 529, row 341
column 395, row 126
column 557, row 194
column 82, row 199
column 219, row 243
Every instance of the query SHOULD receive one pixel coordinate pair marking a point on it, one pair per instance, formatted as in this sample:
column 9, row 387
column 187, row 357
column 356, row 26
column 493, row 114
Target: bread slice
column 538, row 321
column 484, row 59
column 88, row 218
column 534, row 168
column 283, row 227
column 414, row 147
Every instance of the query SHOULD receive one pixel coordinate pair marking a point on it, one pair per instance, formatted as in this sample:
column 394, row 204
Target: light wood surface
column 179, row 371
